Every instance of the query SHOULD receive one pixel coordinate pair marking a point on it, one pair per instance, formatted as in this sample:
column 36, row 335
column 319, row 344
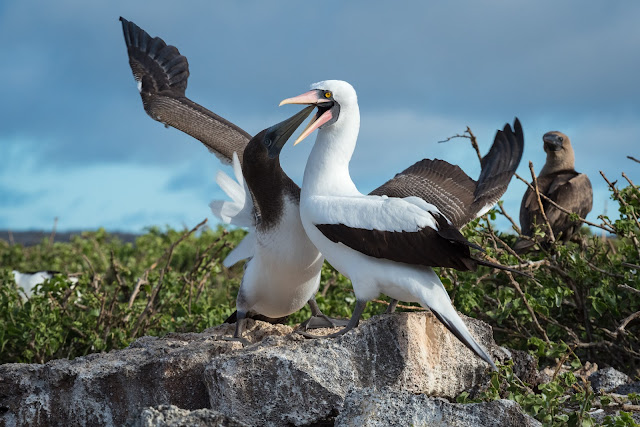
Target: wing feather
column 458, row 197
column 162, row 74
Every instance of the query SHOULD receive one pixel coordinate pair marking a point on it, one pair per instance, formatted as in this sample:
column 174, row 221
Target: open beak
column 278, row 135
column 323, row 115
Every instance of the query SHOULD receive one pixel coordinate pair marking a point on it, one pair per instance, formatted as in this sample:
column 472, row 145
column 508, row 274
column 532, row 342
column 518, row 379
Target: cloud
column 423, row 72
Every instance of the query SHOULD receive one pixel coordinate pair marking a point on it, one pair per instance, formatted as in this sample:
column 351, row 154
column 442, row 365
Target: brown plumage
column 456, row 197
column 162, row 73
column 559, row 181
column 452, row 191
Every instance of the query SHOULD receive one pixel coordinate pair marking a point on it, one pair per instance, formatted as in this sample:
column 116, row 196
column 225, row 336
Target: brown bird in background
column 559, row 181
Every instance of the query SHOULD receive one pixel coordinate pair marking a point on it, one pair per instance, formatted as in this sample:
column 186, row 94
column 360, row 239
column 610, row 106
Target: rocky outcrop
column 172, row 416
column 281, row 379
column 298, row 382
column 369, row 408
column 111, row 388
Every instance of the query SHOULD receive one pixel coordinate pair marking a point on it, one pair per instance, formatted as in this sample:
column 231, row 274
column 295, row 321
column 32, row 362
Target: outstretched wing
column 162, row 73
column 458, row 197
column 437, row 182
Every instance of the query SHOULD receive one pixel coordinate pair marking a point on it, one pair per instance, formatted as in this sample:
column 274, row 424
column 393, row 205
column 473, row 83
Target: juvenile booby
column 390, row 244
column 559, row 181
column 282, row 273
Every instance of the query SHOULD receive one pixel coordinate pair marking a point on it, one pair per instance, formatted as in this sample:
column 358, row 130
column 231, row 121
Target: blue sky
column 75, row 142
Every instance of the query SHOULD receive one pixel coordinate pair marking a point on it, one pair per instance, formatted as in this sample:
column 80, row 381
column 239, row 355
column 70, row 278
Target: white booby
column 386, row 244
column 559, row 181
column 282, row 273
column 29, row 280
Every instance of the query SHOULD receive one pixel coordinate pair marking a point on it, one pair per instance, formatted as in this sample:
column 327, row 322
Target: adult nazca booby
column 559, row 181
column 390, row 244
column 282, row 272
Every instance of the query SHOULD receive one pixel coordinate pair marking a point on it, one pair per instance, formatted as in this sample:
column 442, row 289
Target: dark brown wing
column 529, row 207
column 576, row 195
column 569, row 189
column 437, row 182
column 429, row 247
column 447, row 187
column 498, row 167
column 162, row 75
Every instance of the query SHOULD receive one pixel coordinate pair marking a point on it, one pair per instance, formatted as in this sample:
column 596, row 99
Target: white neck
column 327, row 170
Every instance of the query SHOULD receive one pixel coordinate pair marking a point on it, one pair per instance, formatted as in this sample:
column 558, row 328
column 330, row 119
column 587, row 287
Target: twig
column 518, row 289
column 53, row 232
column 621, row 329
column 633, row 158
column 624, row 175
column 504, row 213
column 148, row 310
column 605, row 227
column 534, row 179
column 471, row 137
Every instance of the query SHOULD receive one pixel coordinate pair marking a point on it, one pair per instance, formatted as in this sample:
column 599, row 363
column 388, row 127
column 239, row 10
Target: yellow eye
column 328, row 94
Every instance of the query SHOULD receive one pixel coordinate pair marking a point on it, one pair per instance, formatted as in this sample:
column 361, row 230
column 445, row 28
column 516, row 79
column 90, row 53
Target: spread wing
column 458, row 197
column 162, row 73
column 437, row 182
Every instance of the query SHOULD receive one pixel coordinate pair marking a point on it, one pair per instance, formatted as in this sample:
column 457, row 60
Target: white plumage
column 329, row 196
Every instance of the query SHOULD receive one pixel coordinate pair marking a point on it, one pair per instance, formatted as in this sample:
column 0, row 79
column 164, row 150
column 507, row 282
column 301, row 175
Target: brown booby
column 282, row 272
column 389, row 243
column 559, row 181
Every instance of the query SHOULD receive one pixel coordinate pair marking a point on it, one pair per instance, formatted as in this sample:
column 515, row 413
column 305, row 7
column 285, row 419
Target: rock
column 607, row 379
column 111, row 388
column 282, row 379
column 628, row 388
column 368, row 407
column 285, row 380
column 172, row 416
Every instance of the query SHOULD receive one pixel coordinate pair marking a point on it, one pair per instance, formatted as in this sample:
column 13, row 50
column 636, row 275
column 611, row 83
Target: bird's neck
column 327, row 170
column 558, row 161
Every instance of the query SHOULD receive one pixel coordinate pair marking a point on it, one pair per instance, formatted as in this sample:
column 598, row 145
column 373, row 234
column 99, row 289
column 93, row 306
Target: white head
column 333, row 98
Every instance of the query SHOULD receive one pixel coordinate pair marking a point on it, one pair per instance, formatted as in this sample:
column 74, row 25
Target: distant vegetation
column 583, row 305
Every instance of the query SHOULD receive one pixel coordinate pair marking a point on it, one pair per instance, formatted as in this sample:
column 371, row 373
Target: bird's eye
column 561, row 139
column 328, row 95
column 267, row 142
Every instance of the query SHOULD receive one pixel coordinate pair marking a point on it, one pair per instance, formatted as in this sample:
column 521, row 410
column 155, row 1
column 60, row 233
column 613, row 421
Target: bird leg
column 392, row 306
column 240, row 325
column 319, row 319
column 353, row 322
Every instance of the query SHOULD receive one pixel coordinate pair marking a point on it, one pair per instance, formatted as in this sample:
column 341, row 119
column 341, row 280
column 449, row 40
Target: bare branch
column 606, row 227
column 534, row 179
column 633, row 158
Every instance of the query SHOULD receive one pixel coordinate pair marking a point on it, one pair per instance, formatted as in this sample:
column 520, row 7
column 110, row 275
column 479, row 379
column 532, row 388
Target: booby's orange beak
column 322, row 116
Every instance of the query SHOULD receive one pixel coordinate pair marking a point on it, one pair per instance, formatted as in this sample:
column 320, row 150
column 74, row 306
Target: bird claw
column 334, row 335
column 322, row 321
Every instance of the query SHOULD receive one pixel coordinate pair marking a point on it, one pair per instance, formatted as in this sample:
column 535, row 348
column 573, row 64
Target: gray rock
column 291, row 380
column 628, row 388
column 368, row 407
column 111, row 388
column 172, row 416
column 607, row 379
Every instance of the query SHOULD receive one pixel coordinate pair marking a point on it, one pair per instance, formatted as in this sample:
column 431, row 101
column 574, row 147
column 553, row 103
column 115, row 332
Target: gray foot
column 322, row 321
column 353, row 322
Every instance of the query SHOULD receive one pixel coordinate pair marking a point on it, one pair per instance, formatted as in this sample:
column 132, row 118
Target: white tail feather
column 239, row 210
